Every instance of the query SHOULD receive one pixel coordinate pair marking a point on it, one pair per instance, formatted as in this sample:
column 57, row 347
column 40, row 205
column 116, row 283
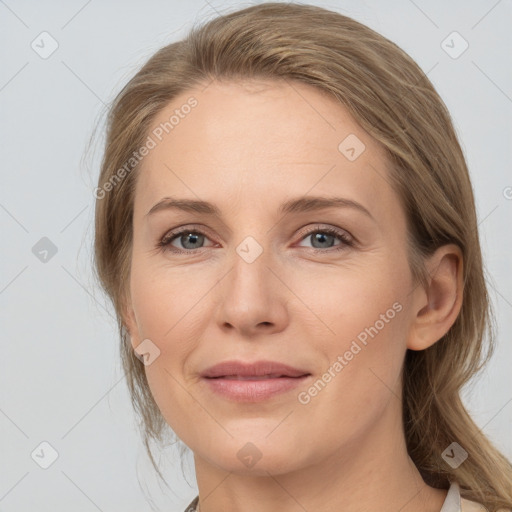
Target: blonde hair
column 393, row 100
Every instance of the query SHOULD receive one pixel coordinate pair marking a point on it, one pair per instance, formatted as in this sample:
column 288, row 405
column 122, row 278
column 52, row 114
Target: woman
column 286, row 227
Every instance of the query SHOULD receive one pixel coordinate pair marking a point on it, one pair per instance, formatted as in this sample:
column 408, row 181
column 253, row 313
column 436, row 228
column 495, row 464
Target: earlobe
column 438, row 306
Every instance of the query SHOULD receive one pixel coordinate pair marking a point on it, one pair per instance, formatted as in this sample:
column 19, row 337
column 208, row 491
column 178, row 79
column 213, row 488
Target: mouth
column 263, row 369
column 255, row 377
column 253, row 382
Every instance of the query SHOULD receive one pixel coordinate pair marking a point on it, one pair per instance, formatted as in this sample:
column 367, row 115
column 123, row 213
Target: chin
column 270, row 463
column 256, row 455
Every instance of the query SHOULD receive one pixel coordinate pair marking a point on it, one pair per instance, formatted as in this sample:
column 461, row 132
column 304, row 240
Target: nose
column 253, row 298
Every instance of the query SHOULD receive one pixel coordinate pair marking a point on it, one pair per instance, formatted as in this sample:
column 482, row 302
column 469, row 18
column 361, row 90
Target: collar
column 452, row 503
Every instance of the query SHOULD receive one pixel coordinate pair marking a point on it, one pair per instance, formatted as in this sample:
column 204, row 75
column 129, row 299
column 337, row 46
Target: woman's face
column 264, row 272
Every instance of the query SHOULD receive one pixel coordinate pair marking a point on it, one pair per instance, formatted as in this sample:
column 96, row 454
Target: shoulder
column 472, row 506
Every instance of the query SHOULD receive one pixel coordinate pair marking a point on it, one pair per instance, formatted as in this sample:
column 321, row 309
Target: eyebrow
column 301, row 204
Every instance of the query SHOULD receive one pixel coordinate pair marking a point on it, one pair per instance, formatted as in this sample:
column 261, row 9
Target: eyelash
column 165, row 243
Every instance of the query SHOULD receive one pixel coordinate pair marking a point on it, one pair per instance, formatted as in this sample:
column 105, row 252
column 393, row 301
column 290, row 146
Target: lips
column 259, row 370
column 248, row 377
column 253, row 390
column 238, row 381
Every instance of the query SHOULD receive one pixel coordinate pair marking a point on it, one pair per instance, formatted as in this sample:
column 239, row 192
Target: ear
column 130, row 322
column 437, row 306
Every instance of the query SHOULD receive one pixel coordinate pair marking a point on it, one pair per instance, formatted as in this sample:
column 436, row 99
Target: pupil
column 193, row 238
column 321, row 238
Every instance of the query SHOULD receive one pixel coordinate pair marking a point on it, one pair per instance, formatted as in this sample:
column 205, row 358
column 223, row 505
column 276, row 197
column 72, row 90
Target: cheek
column 360, row 380
column 168, row 302
column 356, row 300
column 360, row 332
column 170, row 306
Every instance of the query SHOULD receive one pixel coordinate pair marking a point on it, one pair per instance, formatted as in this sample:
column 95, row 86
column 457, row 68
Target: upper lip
column 254, row 369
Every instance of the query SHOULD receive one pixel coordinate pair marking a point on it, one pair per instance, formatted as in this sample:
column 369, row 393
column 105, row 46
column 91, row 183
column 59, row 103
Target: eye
column 325, row 238
column 190, row 239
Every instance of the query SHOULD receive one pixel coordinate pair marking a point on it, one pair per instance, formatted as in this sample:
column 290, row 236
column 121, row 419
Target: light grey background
column 61, row 377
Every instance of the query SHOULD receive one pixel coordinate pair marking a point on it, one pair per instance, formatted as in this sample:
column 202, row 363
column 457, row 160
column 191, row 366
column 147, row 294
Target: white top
column 452, row 503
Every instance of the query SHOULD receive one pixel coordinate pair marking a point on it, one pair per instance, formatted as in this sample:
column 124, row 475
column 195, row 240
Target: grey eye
column 322, row 240
column 191, row 240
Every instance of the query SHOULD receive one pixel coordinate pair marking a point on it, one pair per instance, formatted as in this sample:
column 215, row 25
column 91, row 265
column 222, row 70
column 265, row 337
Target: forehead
column 259, row 138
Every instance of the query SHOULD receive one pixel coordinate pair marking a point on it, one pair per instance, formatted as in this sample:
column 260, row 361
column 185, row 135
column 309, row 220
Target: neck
column 373, row 472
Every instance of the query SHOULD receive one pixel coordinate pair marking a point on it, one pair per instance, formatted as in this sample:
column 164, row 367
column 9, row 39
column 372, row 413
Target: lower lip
column 253, row 390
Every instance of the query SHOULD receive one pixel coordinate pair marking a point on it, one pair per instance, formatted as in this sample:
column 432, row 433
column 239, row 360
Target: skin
column 248, row 147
